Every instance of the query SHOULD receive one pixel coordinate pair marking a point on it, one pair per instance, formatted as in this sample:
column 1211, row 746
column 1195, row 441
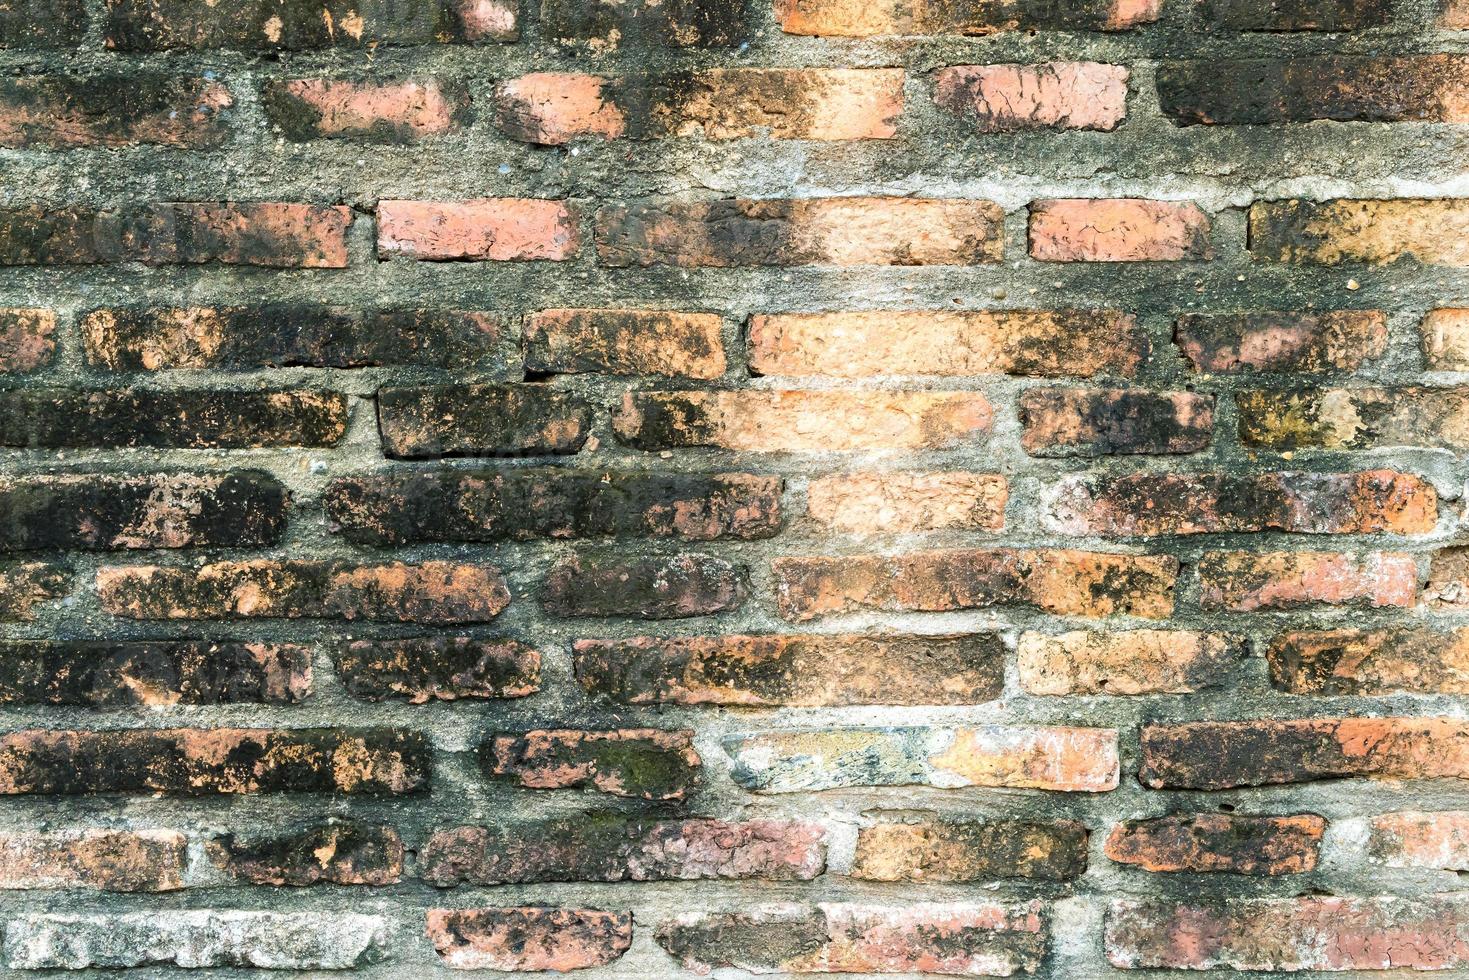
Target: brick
column 1368, row 662
column 111, row 110
column 1454, row 16
column 1228, row 754
column 442, row 668
column 27, row 339
column 1128, row 662
column 802, row 421
column 1288, row 934
column 1264, row 91
column 637, row 763
column 487, row 230
column 1433, row 232
column 609, row 847
column 112, row 674
column 860, row 18
column 1354, row 418
column 1153, row 504
column 1412, row 839
column 958, row 343
column 100, row 512
column 1053, row 95
column 215, row 761
column 676, row 586
column 1066, row 583
column 480, row 420
column 1448, row 579
column 246, row 338
column 290, row 236
column 106, row 860
column 24, row 587
column 554, row 108
column 1219, row 842
column 528, row 939
column 432, row 592
column 176, row 418
column 1445, row 336
column 930, row 850
column 381, row 112
column 813, row 670
column 836, row 231
column 529, row 504
column 625, row 342
column 604, row 26
column 195, row 938
column 1296, row 15
column 1080, row 422
column 1239, row 581
column 305, row 25
column 972, row 939
column 1072, row 760
column 40, row 24
column 1306, row 343
column 1120, row 230
column 333, row 853
column 890, row 502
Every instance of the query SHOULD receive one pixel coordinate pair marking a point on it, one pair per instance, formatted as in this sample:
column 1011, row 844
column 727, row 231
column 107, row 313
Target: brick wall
column 966, row 487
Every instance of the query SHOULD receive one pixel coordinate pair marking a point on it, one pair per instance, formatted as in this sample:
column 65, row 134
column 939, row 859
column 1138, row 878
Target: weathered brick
column 802, row 421
column 600, row 26
column 177, row 418
column 1054, row 95
column 333, row 853
column 211, row 761
column 1296, row 15
column 1445, row 336
column 1433, row 232
column 717, row 104
column 1354, row 418
column 1034, row 343
column 931, row 850
column 1357, row 662
column 245, row 338
column 671, row 587
column 480, row 420
column 1227, row 754
column 528, row 504
column 194, row 938
column 1152, row 504
column 888, row 501
column 111, row 674
column 1075, row 760
column 61, row 111
column 1454, row 15
column 640, row 763
column 27, row 339
column 863, row 18
column 1240, row 581
column 1209, row 842
column 1448, row 579
column 303, row 25
column 108, row 860
column 838, row 231
column 100, row 512
column 1081, row 422
column 972, row 939
column 513, row 940
column 381, row 112
column 305, row 236
column 487, row 230
column 1307, row 343
column 610, row 847
column 682, row 345
column 38, row 24
column 1128, row 662
column 435, row 592
column 1067, row 583
column 24, row 587
column 1118, row 230
column 1288, row 934
column 443, row 668
column 813, row 670
column 1412, row 839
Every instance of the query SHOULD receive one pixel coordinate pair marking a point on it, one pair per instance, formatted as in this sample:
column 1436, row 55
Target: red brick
column 444, row 668
column 638, row 763
column 1354, row 418
column 24, row 587
column 493, row 229
column 863, row 18
column 932, row 851
column 885, row 502
column 27, row 339
column 1368, row 662
column 107, row 860
column 672, row 587
column 1081, row 422
column 1055, row 95
column 1210, row 842
column 1307, row 343
column 384, row 112
column 112, row 110
column 1124, row 663
column 1122, row 230
column 553, row 108
column 1412, row 839
column 336, row 853
column 480, row 420
column 512, row 940
column 1433, row 232
column 1239, row 581
column 684, row 345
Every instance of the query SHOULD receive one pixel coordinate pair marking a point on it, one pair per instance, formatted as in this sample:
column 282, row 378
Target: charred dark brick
column 640, row 763
column 206, row 762
column 1354, row 418
column 59, row 418
column 480, row 420
column 1369, row 662
column 936, row 850
column 422, row 669
column 522, row 505
column 863, row 18
column 608, row 25
column 155, row 672
column 1207, row 842
column 112, row 110
column 672, row 587
column 372, row 111
column 528, row 939
column 1077, row 422
column 24, row 587
column 335, row 853
column 1296, row 15
column 37, row 24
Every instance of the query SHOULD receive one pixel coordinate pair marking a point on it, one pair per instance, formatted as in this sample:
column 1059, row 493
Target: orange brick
column 1239, row 581
column 1433, row 232
column 1121, row 230
column 625, row 342
column 901, row 501
column 495, row 229
column 1056, row 95
column 867, row 18
column 1128, row 662
column 1411, row 839
column 389, row 112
